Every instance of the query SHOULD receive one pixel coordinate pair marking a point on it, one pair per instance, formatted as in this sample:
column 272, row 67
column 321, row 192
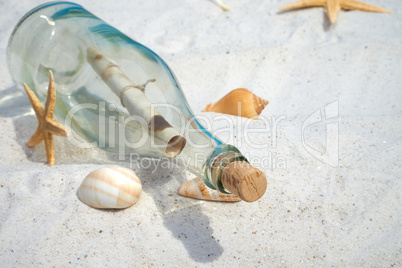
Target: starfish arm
column 356, row 5
column 35, row 102
column 47, row 125
column 56, row 128
column 36, row 138
column 332, row 8
column 49, row 144
column 51, row 97
column 304, row 3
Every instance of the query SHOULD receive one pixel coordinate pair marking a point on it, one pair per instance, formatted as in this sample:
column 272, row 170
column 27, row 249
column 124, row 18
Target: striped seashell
column 240, row 102
column 110, row 187
column 196, row 188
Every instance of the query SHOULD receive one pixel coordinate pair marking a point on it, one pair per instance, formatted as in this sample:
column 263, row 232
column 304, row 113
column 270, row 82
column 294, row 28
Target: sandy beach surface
column 332, row 149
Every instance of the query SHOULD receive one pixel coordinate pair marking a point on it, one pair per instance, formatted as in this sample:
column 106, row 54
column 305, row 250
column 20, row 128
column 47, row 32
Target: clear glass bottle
column 58, row 36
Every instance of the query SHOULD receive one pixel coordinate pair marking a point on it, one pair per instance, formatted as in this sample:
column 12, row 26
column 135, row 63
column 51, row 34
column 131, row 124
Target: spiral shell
column 110, row 187
column 240, row 102
column 196, row 188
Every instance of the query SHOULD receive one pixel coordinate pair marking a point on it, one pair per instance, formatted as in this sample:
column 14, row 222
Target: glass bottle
column 68, row 40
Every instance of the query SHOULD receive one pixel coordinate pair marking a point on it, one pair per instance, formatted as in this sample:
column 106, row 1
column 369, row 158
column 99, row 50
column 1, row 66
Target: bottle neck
column 222, row 156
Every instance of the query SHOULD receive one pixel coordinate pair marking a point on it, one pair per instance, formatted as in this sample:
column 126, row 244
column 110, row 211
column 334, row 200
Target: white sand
column 313, row 214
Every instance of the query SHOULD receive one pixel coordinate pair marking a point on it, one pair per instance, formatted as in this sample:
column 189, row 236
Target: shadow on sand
column 183, row 217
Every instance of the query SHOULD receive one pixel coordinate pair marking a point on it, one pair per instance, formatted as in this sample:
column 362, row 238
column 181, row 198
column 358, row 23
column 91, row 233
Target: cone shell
column 111, row 187
column 196, row 188
column 240, row 102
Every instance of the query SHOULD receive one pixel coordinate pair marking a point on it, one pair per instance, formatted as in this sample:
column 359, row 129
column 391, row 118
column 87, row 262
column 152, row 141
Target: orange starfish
column 47, row 125
column 332, row 7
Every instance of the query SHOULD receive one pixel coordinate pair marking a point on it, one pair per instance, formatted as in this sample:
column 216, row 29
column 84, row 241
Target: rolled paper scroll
column 136, row 102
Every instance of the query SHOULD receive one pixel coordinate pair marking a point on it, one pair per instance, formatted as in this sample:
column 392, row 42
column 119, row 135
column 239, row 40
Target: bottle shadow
column 13, row 102
column 14, row 105
column 183, row 217
column 65, row 152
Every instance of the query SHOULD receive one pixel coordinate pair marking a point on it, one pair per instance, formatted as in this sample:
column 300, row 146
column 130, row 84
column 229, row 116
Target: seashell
column 240, row 102
column 110, row 187
column 196, row 188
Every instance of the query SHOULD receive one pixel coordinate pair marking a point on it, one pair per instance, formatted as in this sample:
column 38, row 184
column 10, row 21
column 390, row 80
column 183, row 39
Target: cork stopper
column 244, row 180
